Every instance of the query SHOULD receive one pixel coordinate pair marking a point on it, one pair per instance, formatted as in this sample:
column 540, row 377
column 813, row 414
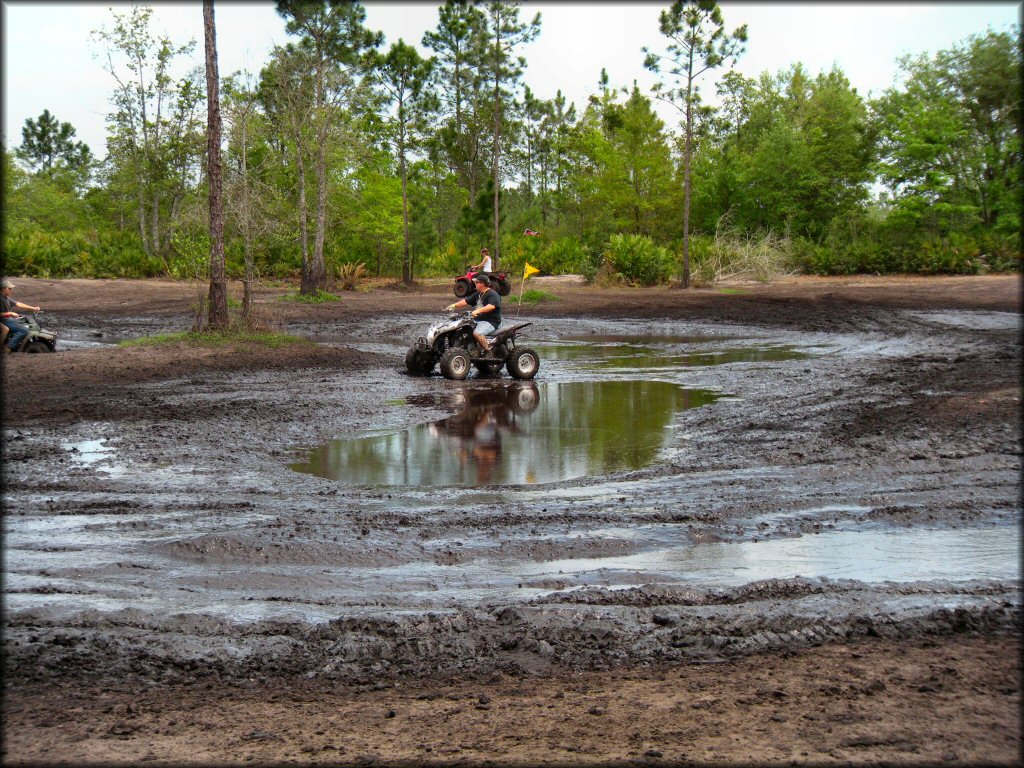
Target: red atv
column 464, row 283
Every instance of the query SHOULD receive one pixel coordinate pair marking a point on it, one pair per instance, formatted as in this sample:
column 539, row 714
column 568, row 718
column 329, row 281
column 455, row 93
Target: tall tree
column 155, row 133
column 631, row 164
column 404, row 74
column 246, row 194
column 218, row 298
column 506, row 33
column 332, row 32
column 697, row 43
column 950, row 139
column 459, row 45
column 286, row 96
column 47, row 141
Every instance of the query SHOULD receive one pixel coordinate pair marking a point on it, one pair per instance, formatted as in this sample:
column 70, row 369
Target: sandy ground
column 183, row 596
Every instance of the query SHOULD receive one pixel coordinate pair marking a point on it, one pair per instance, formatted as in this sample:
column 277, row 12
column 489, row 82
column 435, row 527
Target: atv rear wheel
column 462, row 288
column 523, row 364
column 455, row 364
column 37, row 347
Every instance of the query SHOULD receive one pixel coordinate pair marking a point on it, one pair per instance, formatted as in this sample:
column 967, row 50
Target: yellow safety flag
column 529, row 271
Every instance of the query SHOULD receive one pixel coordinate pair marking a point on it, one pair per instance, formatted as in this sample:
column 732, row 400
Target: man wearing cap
column 10, row 317
column 488, row 305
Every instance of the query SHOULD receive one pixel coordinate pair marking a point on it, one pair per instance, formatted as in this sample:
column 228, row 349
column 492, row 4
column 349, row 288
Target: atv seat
column 503, row 334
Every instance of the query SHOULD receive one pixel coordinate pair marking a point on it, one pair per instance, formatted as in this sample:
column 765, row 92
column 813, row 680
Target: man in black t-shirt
column 488, row 306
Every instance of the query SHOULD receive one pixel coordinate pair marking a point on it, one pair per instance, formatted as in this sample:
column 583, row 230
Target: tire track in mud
column 858, row 436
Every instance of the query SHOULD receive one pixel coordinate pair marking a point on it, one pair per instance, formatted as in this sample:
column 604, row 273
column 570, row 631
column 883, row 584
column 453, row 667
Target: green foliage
column 47, row 142
column 950, row 144
column 638, row 260
column 319, row 297
column 567, row 256
column 350, row 275
column 761, row 256
column 536, row 296
column 76, row 254
column 787, row 160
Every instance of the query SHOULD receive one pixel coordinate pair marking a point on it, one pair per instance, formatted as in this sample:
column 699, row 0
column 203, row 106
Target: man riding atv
column 11, row 319
column 488, row 305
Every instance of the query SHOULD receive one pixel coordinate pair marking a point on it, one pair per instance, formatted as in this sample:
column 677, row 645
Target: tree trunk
column 248, row 320
column 406, row 261
column 218, row 304
column 314, row 274
column 497, row 138
column 687, row 155
column 300, row 169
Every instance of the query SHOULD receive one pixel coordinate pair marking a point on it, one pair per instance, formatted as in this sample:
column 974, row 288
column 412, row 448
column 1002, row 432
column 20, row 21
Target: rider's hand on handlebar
column 449, row 308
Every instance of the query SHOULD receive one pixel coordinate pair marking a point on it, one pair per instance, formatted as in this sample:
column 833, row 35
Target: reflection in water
column 514, row 434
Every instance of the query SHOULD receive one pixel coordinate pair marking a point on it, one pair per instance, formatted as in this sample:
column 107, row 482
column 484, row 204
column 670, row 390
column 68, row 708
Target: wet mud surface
column 851, row 471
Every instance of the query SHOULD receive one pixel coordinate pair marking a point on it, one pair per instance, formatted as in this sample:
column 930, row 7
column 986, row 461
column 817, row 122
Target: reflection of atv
column 37, row 339
column 451, row 343
column 464, row 283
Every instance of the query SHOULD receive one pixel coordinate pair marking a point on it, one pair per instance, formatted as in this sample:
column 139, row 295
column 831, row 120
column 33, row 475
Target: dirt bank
column 829, row 545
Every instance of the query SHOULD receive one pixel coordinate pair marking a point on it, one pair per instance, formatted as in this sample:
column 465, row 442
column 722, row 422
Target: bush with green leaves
column 638, row 259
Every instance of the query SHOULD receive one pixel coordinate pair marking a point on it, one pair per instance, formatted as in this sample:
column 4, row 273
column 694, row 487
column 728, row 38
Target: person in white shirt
column 485, row 262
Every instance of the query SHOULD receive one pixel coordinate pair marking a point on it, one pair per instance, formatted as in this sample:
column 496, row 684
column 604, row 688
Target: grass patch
column 535, row 296
column 217, row 339
column 320, row 297
column 733, row 291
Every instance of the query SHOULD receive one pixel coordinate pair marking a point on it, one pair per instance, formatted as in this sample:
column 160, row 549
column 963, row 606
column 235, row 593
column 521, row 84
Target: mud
column 156, row 533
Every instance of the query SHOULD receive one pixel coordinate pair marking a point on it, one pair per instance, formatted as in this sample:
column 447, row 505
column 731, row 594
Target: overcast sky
column 52, row 62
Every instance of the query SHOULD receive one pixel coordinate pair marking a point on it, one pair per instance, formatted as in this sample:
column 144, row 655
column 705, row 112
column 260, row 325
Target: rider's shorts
column 484, row 328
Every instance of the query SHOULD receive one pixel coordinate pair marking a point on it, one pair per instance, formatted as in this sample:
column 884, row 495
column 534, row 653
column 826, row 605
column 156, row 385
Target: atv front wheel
column 462, row 288
column 418, row 363
column 37, row 346
column 523, row 364
column 504, row 287
column 455, row 364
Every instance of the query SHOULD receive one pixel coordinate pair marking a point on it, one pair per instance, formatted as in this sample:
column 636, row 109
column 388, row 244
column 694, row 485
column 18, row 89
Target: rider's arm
column 483, row 310
column 25, row 306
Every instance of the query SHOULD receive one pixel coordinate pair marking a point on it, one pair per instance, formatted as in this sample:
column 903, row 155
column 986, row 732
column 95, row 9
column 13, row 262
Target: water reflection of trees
column 517, row 434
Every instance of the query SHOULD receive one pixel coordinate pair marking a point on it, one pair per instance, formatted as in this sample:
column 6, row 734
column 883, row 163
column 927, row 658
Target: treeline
column 341, row 152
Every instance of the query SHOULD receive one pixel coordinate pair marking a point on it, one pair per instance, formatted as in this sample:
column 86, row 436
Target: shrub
column 320, row 297
column 637, row 259
column 762, row 256
column 535, row 296
column 350, row 275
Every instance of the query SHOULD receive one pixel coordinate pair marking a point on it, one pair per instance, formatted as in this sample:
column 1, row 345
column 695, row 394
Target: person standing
column 10, row 316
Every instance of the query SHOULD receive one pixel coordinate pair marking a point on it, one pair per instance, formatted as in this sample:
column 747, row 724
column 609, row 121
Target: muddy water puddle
column 255, row 591
column 517, row 434
column 548, row 431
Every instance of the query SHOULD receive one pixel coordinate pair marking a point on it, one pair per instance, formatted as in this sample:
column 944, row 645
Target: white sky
column 51, row 61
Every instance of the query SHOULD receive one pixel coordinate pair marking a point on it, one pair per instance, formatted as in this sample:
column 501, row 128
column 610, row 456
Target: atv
column 37, row 339
column 464, row 283
column 450, row 342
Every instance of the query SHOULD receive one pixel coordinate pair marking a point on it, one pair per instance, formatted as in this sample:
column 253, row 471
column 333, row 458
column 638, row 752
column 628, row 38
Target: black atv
column 450, row 342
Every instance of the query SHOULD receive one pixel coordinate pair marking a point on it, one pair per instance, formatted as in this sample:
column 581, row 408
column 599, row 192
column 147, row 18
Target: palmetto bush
column 637, row 260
